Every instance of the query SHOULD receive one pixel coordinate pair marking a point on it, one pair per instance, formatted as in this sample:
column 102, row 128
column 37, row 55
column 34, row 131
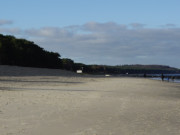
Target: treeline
column 128, row 69
column 21, row 52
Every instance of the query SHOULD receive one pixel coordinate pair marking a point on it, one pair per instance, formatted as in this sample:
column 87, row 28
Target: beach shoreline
column 77, row 105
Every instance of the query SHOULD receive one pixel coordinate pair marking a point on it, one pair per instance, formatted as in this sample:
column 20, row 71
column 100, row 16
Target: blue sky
column 38, row 13
column 113, row 32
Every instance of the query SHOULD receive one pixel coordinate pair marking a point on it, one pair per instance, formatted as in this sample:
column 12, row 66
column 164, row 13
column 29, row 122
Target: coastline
column 71, row 105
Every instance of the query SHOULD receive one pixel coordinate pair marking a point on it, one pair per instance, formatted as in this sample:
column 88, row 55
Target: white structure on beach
column 79, row 71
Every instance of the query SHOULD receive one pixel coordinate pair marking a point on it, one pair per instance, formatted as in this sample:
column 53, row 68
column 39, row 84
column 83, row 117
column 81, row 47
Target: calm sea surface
column 167, row 77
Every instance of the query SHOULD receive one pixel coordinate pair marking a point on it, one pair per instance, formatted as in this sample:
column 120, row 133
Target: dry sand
column 70, row 105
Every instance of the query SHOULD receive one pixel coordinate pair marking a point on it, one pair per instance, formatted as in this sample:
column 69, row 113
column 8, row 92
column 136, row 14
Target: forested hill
column 131, row 69
column 21, row 52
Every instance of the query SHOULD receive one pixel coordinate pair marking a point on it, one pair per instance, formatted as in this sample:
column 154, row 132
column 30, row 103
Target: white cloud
column 169, row 25
column 103, row 27
column 4, row 22
column 51, row 32
column 11, row 31
column 137, row 25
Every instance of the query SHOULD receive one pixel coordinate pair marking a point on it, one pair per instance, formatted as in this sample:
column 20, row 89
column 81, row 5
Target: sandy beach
column 54, row 102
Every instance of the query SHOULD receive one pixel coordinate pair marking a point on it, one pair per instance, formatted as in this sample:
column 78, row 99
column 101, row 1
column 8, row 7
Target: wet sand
column 73, row 105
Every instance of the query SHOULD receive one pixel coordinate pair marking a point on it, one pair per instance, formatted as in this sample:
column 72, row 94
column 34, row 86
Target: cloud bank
column 109, row 43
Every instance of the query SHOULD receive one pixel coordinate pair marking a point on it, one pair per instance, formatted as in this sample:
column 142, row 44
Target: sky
column 109, row 32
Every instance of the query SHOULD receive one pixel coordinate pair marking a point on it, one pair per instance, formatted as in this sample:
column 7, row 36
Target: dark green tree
column 22, row 52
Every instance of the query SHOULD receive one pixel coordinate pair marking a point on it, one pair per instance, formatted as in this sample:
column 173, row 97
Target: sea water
column 167, row 77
